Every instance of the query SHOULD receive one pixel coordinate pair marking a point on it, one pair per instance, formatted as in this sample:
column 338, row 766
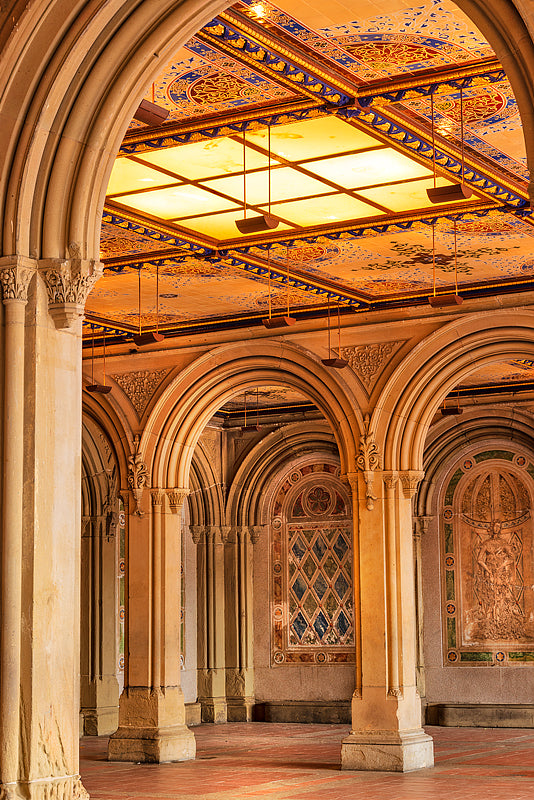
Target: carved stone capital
column 220, row 533
column 177, row 498
column 390, row 478
column 157, row 496
column 137, row 475
column 68, row 283
column 16, row 273
column 255, row 532
column 350, row 479
column 410, row 480
column 421, row 526
column 395, row 691
column 197, row 532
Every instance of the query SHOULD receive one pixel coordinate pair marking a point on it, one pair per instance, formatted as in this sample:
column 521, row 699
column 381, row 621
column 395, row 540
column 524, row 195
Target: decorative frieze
column 139, row 386
column 137, row 475
column 68, row 283
column 366, row 360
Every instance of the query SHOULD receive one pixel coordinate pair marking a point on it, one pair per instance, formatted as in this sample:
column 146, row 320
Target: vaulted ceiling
column 321, row 114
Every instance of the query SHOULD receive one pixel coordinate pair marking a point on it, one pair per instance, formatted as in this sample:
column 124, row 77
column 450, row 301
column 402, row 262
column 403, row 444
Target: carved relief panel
column 311, row 569
column 488, row 564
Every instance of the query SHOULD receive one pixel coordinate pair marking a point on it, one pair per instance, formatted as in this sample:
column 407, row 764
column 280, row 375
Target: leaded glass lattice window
column 311, row 547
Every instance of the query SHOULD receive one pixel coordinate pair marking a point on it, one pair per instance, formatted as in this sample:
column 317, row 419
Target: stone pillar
column 239, row 619
column 386, row 708
column 210, row 541
column 152, row 711
column 41, row 499
column 99, row 689
column 421, row 526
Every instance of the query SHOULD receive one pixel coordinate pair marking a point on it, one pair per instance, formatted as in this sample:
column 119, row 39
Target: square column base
column 152, row 745
column 387, row 752
column 214, row 709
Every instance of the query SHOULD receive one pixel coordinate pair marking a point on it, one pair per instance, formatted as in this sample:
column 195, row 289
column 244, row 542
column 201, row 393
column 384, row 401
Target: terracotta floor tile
column 302, row 762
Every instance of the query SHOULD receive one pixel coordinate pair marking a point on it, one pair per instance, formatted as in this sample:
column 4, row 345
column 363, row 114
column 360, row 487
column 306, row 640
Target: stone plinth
column 387, row 752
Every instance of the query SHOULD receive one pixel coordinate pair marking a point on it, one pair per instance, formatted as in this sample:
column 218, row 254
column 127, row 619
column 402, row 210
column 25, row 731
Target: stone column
column 386, row 708
column 210, row 542
column 99, row 689
column 41, row 498
column 239, row 619
column 152, row 711
column 421, row 526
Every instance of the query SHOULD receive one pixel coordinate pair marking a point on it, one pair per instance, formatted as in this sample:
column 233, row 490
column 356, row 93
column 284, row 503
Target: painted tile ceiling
column 328, row 108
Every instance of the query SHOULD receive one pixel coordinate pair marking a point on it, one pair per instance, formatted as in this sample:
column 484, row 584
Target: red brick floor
column 301, row 762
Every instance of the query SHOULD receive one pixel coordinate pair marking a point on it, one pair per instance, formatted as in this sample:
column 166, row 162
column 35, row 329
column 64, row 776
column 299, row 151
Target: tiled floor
column 301, row 762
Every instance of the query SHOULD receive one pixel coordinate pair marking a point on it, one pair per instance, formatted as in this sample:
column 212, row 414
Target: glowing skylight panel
column 313, row 138
column 176, row 201
column 364, row 169
column 324, row 210
column 128, row 176
column 206, row 159
column 286, row 184
column 221, row 226
column 404, row 196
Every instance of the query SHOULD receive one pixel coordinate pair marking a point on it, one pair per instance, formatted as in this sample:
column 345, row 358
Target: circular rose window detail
column 319, row 501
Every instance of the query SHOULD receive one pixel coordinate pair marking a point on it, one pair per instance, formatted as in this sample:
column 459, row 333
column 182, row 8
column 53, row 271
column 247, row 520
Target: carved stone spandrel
column 139, row 386
column 367, row 360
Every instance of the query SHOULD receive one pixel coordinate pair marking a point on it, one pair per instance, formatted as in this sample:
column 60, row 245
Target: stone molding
column 16, row 273
column 139, row 386
column 368, row 461
column 138, row 477
column 366, row 360
column 68, row 283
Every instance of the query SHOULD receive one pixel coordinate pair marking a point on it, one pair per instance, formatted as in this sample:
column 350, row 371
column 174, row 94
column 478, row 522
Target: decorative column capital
column 390, row 478
column 421, row 526
column 197, row 532
column 138, row 477
column 157, row 496
column 368, row 460
column 176, row 498
column 68, row 283
column 410, row 480
column 255, row 532
column 16, row 273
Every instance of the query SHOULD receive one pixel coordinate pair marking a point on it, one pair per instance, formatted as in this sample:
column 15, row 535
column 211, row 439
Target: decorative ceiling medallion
column 219, row 88
column 384, row 55
column 485, row 105
column 311, row 252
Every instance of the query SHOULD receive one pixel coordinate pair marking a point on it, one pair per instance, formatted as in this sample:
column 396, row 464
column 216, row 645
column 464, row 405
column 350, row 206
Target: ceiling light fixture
column 151, row 114
column 456, row 191
column 441, row 300
column 97, row 388
column 281, row 321
column 264, row 222
column 150, row 337
column 454, row 410
column 338, row 362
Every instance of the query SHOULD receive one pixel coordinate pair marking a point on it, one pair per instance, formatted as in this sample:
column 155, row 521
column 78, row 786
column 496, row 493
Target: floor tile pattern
column 301, row 762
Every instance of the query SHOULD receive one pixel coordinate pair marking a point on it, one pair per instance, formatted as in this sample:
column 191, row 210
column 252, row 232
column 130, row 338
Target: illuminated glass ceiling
column 322, row 171
column 348, row 175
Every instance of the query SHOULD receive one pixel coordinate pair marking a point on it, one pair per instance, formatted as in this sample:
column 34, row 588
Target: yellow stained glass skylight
column 312, row 138
column 221, row 226
column 324, row 209
column 206, row 159
column 128, row 175
column 286, row 183
column 404, row 196
column 365, row 169
column 176, row 201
